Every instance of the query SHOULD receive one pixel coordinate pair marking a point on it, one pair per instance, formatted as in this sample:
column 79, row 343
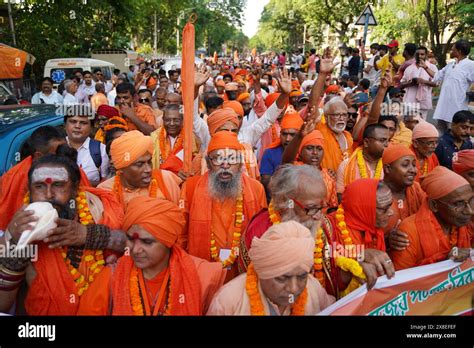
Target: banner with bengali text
column 444, row 288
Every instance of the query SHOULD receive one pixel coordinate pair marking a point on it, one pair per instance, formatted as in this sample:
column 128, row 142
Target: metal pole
column 304, row 38
column 177, row 36
column 12, row 27
column 366, row 27
column 154, row 38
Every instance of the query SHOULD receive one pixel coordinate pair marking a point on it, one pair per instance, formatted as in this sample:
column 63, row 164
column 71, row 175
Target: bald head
column 174, row 98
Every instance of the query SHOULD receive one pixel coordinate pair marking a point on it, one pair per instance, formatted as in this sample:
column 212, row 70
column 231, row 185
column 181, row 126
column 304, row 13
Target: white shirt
column 70, row 99
column 111, row 97
column 53, row 98
column 373, row 75
column 85, row 161
column 251, row 134
column 88, row 90
column 456, row 81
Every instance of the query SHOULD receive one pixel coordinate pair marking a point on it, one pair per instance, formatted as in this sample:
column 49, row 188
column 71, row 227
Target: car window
column 3, row 94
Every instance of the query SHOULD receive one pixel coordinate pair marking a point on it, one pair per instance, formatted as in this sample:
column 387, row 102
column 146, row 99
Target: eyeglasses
column 310, row 211
column 232, row 159
column 433, row 143
column 353, row 114
column 144, row 100
column 338, row 116
column 459, row 205
column 380, row 140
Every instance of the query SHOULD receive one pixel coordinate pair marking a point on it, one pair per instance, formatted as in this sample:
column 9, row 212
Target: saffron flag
column 443, row 288
column 187, row 73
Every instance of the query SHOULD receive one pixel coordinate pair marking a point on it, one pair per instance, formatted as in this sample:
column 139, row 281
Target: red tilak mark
column 135, row 236
column 48, row 180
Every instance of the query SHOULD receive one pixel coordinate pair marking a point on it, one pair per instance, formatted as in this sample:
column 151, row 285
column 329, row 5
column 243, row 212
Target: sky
column 252, row 14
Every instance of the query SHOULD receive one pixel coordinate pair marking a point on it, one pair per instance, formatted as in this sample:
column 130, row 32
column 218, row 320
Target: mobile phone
column 361, row 98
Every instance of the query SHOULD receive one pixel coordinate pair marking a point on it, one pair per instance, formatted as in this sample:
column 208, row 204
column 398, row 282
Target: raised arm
column 385, row 83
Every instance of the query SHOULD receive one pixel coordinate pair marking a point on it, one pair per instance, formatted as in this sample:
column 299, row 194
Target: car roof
column 14, row 116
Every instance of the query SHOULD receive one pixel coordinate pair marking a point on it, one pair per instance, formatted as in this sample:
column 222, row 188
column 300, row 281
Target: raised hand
column 312, row 119
column 386, row 80
column 201, row 75
column 349, row 99
column 327, row 65
column 284, row 81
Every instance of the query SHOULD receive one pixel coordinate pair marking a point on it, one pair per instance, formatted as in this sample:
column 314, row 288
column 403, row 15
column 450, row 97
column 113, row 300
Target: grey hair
column 334, row 101
column 67, row 84
column 289, row 179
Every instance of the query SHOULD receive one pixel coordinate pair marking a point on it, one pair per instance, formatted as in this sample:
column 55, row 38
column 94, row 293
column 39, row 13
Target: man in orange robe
column 104, row 113
column 221, row 203
column 13, row 184
column 68, row 276
column 400, row 172
column 131, row 155
column 463, row 164
column 439, row 230
column 157, row 266
column 337, row 141
column 425, row 139
column 139, row 116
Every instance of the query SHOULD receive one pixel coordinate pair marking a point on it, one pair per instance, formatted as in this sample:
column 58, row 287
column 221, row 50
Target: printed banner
column 444, row 288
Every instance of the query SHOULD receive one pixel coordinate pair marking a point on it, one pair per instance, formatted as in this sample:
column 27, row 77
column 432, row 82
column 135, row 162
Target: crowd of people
column 303, row 185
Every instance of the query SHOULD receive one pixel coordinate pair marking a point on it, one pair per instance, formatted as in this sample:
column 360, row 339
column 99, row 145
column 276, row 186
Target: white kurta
column 232, row 299
column 456, row 81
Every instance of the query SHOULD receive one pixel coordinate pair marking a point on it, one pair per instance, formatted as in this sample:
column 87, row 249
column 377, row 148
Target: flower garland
column 342, row 226
column 256, row 304
column 136, row 298
column 363, row 169
column 177, row 145
column 118, row 188
column 318, row 246
column 239, row 217
column 94, row 259
column 453, row 237
column 425, row 167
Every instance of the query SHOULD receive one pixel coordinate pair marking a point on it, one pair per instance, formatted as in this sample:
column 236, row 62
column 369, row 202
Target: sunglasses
column 144, row 100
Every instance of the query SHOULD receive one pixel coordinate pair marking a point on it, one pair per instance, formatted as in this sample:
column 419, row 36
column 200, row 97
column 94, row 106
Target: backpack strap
column 94, row 150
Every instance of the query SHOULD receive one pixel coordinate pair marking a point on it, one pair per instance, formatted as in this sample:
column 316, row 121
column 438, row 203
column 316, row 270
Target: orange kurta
column 414, row 197
column 205, row 215
column 333, row 155
column 186, row 272
column 432, row 163
column 53, row 290
column 144, row 113
column 428, row 242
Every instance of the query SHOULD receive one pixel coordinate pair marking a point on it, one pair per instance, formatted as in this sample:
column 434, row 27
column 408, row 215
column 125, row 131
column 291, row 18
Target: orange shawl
column 333, row 155
column 184, row 284
column 54, row 292
column 432, row 163
column 199, row 232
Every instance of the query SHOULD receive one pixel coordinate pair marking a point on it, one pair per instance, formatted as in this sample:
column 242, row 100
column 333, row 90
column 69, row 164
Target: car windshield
column 13, row 117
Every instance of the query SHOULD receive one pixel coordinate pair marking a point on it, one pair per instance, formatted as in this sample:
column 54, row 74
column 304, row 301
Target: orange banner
column 422, row 290
column 13, row 62
column 187, row 77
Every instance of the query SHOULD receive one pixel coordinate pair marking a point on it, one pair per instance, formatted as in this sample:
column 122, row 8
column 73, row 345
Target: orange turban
column 295, row 93
column 314, row 138
column 395, row 152
column 217, row 119
column 234, row 105
column 332, row 89
column 271, row 98
column 281, row 249
column 291, row 119
column 224, row 140
column 463, row 161
column 243, row 96
column 161, row 218
column 129, row 147
column 295, row 84
column 425, row 130
column 441, row 181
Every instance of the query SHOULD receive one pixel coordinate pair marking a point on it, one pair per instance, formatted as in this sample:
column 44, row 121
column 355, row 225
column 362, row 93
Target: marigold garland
column 136, row 299
column 453, row 237
column 318, row 246
column 162, row 141
column 256, row 304
column 363, row 169
column 239, row 217
column 94, row 259
column 425, row 167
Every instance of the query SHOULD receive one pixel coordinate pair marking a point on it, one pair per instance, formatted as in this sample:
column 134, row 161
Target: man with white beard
column 220, row 203
column 298, row 194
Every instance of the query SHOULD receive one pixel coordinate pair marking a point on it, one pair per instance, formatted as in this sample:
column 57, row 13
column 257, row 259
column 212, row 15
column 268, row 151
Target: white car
column 175, row 63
